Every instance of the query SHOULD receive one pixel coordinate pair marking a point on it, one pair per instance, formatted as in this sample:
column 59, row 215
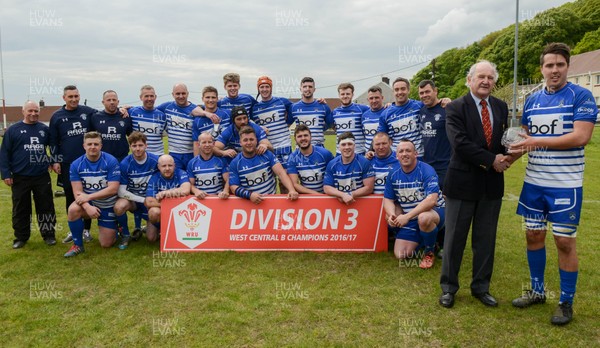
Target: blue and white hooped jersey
column 317, row 117
column 382, row 168
column 348, row 177
column 95, row 176
column 310, row 169
column 402, row 122
column 159, row 183
column 349, row 119
column 254, row 174
column 137, row 175
column 410, row 189
column 276, row 116
column 370, row 123
column 552, row 115
column 179, row 126
column 226, row 104
column 208, row 174
column 152, row 123
column 203, row 124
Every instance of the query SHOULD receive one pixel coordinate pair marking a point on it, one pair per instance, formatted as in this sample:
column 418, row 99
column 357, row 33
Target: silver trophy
column 512, row 136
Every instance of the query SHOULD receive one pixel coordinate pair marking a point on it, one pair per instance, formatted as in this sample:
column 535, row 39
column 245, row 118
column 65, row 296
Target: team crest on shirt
column 42, row 133
column 121, row 123
column 437, row 117
column 83, row 116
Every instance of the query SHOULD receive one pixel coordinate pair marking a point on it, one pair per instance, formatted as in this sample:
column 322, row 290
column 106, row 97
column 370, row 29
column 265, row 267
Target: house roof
column 386, row 91
column 584, row 63
column 14, row 114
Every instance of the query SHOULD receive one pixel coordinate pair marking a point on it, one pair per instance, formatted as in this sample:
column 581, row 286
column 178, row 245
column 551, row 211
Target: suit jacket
column 470, row 173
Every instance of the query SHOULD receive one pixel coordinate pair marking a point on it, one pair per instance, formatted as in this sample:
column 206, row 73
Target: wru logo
column 192, row 215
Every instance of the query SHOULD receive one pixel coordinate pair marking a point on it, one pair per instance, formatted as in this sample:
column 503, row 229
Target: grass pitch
column 140, row 297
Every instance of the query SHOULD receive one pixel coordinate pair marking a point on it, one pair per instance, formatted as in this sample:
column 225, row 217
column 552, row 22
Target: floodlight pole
column 513, row 121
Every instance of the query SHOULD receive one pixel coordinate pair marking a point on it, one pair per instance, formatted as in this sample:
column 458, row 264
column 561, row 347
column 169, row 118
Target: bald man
column 179, row 125
column 169, row 181
column 24, row 167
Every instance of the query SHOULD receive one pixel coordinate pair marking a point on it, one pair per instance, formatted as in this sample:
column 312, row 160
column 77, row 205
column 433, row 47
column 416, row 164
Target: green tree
column 589, row 42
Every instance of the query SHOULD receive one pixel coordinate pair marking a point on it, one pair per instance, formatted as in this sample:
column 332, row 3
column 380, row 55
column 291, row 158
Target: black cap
column 237, row 111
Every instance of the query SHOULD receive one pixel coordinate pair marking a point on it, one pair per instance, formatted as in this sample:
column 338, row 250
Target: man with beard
column 252, row 174
column 306, row 165
column 308, row 111
column 370, row 118
column 228, row 142
column 274, row 115
column 348, row 117
column 136, row 171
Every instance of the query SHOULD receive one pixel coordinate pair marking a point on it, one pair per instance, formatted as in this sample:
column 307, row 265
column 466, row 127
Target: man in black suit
column 474, row 183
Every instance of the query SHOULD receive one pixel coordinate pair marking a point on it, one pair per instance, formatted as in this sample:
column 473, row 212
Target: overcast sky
column 122, row 45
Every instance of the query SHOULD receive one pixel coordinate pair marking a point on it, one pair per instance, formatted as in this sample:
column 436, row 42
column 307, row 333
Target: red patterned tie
column 487, row 125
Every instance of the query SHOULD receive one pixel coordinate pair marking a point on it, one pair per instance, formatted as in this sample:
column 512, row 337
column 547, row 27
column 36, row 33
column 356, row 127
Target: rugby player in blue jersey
column 413, row 203
column 348, row 176
column 179, row 125
column 228, row 142
column 24, row 168
column 136, row 170
column 208, row 174
column 168, row 182
column 210, row 96
column 306, row 165
column 348, row 117
column 559, row 121
column 274, row 115
column 95, row 180
column 231, row 83
column 384, row 162
column 149, row 120
column 401, row 120
column 315, row 114
column 370, row 118
column 252, row 174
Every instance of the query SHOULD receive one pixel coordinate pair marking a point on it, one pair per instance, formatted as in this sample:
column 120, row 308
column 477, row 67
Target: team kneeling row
column 106, row 190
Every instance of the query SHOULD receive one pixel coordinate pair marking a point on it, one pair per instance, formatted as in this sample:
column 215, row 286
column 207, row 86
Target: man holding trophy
column 559, row 121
